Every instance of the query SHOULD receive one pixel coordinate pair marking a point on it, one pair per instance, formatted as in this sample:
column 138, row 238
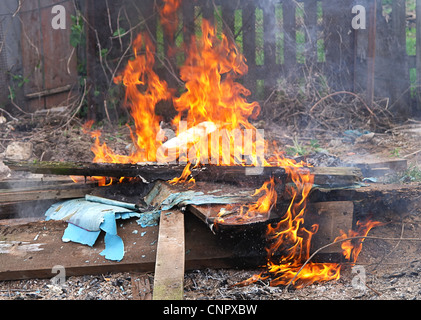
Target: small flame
column 185, row 177
column 352, row 248
column 169, row 16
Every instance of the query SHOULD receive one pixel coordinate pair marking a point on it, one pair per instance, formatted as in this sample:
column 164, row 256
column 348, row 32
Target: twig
column 343, row 240
column 343, row 92
column 394, row 248
column 8, row 114
column 79, row 107
column 18, row 8
column 411, row 154
column 69, row 60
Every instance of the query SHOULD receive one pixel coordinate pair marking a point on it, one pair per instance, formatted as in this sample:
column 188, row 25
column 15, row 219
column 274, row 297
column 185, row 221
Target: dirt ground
column 391, row 269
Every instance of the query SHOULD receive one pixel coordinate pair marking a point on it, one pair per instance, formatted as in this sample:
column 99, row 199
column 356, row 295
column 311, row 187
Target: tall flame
column 144, row 89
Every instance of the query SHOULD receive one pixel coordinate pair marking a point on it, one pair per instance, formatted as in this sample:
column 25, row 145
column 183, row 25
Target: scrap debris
column 87, row 217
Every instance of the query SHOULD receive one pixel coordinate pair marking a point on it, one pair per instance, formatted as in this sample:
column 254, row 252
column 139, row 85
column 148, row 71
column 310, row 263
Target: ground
column 392, row 268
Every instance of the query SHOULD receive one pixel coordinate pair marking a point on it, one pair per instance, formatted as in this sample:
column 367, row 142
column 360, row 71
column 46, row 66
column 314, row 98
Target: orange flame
column 289, row 242
column 144, row 90
column 169, row 17
column 352, row 248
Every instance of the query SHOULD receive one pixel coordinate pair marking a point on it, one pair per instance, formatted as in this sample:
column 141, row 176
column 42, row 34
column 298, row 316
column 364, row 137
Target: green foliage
column 18, row 81
column 395, row 152
column 77, row 34
column 303, row 149
column 119, row 32
column 412, row 174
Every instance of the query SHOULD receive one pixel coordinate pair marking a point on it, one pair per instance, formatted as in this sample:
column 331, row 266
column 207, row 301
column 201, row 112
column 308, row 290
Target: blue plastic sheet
column 86, row 221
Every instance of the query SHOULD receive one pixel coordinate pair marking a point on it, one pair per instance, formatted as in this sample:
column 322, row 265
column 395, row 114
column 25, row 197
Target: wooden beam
column 170, row 257
column 152, row 172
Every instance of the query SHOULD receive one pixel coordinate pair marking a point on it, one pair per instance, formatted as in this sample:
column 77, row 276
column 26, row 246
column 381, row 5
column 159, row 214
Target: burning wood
column 214, row 133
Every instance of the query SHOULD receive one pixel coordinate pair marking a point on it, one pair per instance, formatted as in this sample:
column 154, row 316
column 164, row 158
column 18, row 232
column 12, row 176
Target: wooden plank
column 371, row 52
column 399, row 68
column 170, row 257
column 153, row 172
column 188, row 24
column 66, row 191
column 208, row 12
column 339, row 44
column 60, row 61
column 32, row 53
column 203, row 250
column 33, row 182
column 376, row 166
column 228, row 17
column 331, row 217
column 269, row 48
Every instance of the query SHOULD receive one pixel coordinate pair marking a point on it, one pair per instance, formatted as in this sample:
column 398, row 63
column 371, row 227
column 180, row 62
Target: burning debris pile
column 213, row 127
column 213, row 162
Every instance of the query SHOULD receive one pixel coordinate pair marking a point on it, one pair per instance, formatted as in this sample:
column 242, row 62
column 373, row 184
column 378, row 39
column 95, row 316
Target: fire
column 144, row 89
column 169, row 17
column 212, row 127
column 352, row 248
column 288, row 249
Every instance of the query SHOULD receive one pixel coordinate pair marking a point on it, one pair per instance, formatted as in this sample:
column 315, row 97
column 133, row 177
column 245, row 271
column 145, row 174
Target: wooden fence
column 281, row 39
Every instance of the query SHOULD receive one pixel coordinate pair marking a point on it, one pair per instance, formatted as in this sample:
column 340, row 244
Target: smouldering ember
column 214, row 108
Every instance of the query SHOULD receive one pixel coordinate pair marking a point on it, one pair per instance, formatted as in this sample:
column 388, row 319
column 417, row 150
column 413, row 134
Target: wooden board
column 69, row 191
column 169, row 267
column 331, row 217
column 203, row 250
column 327, row 177
column 49, row 61
column 376, row 166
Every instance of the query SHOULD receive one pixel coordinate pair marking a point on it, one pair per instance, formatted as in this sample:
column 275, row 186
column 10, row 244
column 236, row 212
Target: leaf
column 119, row 32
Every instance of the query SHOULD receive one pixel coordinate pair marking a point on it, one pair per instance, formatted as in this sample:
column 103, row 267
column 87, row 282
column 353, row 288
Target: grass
column 301, row 149
column 412, row 174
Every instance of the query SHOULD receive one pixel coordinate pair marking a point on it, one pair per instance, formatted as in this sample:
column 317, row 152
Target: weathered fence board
column 49, row 61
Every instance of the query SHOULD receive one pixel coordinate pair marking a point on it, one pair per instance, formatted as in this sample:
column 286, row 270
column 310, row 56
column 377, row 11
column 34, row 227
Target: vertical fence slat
column 339, row 44
column 208, row 11
column 310, row 21
column 228, row 15
column 269, row 48
column 290, row 37
column 188, row 23
column 249, row 44
column 418, row 53
column 399, row 71
column 151, row 18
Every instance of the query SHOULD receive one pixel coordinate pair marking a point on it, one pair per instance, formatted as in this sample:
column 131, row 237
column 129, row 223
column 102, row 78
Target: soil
column 392, row 269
